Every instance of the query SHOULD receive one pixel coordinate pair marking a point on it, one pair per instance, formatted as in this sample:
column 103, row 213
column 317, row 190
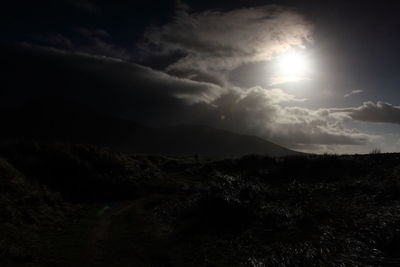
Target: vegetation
column 43, row 187
column 297, row 211
column 81, row 173
column 309, row 210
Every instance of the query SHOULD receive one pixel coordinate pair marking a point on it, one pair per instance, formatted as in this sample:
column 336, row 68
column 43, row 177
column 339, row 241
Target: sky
column 314, row 76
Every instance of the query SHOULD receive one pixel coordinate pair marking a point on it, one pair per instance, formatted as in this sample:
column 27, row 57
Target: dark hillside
column 58, row 120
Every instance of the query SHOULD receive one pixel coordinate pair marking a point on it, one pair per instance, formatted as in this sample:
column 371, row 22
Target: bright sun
column 293, row 64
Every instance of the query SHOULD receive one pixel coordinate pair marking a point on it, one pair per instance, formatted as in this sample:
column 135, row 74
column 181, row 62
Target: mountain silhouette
column 62, row 121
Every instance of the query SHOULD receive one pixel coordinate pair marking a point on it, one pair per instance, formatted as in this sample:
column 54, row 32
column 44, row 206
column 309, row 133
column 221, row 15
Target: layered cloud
column 213, row 43
column 74, row 71
column 380, row 112
column 260, row 111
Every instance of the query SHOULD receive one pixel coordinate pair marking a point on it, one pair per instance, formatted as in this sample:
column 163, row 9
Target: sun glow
column 293, row 64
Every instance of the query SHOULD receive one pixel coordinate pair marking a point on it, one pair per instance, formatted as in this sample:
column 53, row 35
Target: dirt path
column 129, row 234
column 94, row 251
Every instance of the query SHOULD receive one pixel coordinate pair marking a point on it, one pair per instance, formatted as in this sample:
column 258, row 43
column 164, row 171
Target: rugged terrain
column 81, row 205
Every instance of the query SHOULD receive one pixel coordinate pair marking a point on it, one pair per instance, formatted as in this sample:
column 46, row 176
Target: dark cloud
column 86, row 5
column 82, row 40
column 98, row 80
column 98, row 42
column 373, row 112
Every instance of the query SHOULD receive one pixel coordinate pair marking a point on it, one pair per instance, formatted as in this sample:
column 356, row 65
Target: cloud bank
column 156, row 98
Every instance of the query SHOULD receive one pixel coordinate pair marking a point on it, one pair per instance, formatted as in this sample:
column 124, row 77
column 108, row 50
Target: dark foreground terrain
column 79, row 205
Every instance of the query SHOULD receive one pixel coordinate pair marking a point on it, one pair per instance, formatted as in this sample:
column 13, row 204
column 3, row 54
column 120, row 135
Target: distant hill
column 66, row 122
